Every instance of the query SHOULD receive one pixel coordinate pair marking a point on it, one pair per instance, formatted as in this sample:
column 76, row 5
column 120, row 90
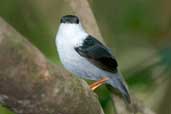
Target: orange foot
column 98, row 83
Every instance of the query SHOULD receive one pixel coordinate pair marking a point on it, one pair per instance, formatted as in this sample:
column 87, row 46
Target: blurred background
column 138, row 31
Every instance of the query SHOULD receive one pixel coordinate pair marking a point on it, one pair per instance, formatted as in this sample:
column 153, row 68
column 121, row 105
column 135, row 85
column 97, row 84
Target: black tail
column 125, row 92
column 118, row 85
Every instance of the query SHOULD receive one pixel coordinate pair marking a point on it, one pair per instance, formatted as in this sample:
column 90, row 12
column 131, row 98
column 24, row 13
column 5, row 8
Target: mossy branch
column 30, row 84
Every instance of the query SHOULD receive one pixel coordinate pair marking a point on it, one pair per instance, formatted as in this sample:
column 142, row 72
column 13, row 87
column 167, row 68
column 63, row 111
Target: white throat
column 71, row 33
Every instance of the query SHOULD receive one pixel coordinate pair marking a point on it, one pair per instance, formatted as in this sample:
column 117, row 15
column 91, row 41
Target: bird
column 86, row 57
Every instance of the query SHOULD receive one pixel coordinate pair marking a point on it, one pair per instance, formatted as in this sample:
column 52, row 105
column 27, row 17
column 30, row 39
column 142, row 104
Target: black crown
column 70, row 19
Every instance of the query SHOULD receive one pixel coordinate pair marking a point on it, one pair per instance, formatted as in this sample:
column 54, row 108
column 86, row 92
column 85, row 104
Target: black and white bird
column 85, row 56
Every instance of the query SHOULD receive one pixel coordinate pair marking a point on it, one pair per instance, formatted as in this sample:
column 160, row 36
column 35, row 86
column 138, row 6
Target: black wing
column 95, row 52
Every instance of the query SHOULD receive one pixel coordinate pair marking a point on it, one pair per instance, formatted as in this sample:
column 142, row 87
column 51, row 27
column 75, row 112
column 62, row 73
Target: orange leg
column 98, row 83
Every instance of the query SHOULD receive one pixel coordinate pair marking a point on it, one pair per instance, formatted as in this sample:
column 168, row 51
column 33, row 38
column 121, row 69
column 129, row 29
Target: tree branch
column 29, row 84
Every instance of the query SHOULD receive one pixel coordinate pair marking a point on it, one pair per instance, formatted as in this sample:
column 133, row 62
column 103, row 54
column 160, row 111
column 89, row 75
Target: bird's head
column 70, row 19
column 71, row 25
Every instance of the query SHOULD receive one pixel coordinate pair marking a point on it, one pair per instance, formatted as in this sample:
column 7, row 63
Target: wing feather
column 95, row 52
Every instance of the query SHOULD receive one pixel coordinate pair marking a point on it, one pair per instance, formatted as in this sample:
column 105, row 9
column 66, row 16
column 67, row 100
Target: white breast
column 68, row 37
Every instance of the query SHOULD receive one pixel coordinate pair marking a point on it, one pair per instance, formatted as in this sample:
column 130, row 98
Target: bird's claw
column 98, row 83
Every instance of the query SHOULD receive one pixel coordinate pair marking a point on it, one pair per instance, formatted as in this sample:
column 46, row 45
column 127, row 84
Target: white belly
column 76, row 64
column 72, row 61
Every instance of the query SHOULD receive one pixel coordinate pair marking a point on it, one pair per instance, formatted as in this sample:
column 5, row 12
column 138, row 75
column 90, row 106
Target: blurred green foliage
column 4, row 110
column 138, row 31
